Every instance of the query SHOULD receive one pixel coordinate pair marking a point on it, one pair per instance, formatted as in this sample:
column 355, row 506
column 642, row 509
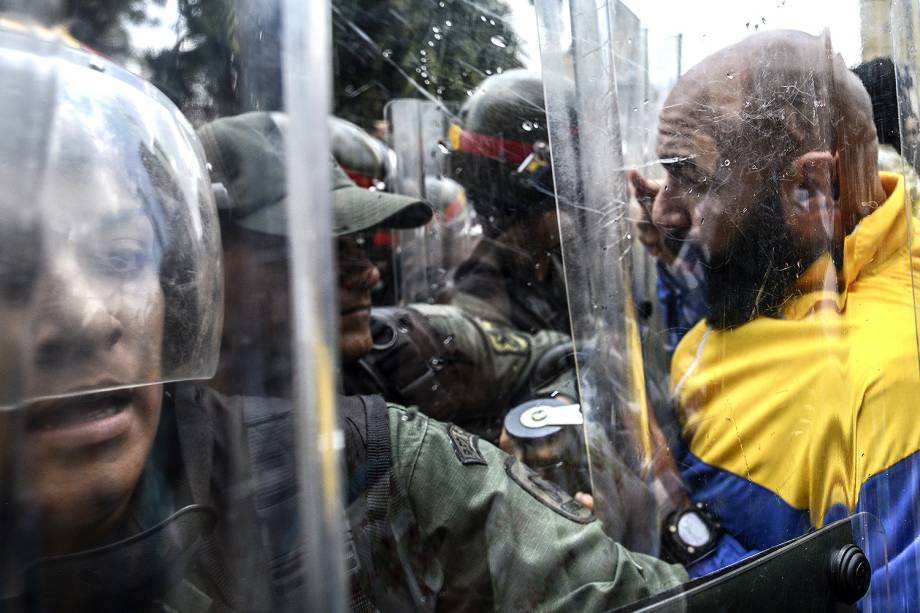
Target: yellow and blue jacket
column 792, row 423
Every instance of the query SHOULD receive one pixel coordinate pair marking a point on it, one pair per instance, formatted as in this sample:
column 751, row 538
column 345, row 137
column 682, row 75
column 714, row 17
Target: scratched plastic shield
column 736, row 218
column 128, row 480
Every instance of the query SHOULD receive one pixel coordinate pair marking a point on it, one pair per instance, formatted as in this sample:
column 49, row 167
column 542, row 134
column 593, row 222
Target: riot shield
column 417, row 132
column 152, row 456
column 766, row 202
column 826, row 570
column 618, row 429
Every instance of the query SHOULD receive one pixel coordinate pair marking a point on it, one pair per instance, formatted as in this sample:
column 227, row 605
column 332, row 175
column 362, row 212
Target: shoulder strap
column 367, row 459
column 378, row 470
column 381, row 531
column 269, row 429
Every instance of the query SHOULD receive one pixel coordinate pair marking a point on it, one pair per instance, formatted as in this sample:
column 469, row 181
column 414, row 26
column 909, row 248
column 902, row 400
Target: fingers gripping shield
column 110, row 272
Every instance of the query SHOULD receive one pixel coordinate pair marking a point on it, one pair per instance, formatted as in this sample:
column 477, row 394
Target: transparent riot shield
column 152, row 454
column 824, row 570
column 619, row 432
column 417, row 132
column 756, row 182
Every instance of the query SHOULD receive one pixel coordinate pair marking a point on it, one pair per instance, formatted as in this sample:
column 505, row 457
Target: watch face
column 692, row 530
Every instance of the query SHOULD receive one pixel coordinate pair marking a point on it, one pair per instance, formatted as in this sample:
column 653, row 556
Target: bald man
column 796, row 394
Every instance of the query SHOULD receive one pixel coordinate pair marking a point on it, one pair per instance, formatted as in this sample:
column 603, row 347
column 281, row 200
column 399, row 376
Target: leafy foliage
column 226, row 56
column 102, row 23
column 201, row 71
column 386, row 49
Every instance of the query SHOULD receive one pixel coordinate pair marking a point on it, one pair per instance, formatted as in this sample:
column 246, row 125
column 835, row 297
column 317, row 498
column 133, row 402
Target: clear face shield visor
column 110, row 274
column 110, row 283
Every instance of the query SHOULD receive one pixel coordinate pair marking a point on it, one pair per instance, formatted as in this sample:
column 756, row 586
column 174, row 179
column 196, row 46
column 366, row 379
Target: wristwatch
column 690, row 533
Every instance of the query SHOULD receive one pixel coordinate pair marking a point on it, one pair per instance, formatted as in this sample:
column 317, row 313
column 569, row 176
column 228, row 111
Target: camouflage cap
column 246, row 153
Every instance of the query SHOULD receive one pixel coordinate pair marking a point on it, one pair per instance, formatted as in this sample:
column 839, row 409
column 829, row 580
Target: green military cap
column 246, row 153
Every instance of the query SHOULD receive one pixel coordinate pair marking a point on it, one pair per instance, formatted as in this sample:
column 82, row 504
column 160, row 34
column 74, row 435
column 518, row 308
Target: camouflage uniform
column 459, row 368
column 473, row 528
column 438, row 519
column 500, row 284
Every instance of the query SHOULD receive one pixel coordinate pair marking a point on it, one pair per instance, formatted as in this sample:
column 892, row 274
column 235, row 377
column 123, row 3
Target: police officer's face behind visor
column 356, row 277
column 89, row 277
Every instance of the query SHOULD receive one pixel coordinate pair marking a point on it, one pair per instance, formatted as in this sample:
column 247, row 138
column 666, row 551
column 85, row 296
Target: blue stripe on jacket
column 755, row 518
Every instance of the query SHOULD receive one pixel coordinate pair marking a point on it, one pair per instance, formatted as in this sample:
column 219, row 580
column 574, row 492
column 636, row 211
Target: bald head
column 771, row 151
column 767, row 100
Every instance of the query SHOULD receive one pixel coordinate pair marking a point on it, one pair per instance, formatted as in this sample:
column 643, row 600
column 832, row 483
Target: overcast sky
column 708, row 25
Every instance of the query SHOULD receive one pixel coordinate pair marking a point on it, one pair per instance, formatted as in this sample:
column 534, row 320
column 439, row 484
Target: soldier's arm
column 496, row 365
column 504, row 538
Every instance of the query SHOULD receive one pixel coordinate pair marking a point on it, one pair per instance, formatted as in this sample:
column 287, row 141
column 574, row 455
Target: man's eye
column 124, row 259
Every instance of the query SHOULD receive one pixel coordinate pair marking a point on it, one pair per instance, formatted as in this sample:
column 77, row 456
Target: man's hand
column 651, row 235
column 585, row 499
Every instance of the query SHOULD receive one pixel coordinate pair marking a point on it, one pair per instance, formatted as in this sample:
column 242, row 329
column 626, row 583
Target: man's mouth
column 361, row 308
column 87, row 418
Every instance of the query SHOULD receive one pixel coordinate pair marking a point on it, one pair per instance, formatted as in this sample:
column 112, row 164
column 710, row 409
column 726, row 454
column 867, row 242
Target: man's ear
column 645, row 189
column 814, row 185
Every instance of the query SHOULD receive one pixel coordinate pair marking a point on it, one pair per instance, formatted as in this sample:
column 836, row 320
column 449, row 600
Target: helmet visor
column 110, row 255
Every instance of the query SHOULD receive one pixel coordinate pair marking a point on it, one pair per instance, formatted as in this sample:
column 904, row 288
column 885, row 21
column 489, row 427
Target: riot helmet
column 366, row 160
column 447, row 196
column 500, row 151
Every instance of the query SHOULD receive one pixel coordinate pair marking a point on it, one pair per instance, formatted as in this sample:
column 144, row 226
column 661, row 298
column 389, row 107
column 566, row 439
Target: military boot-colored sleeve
column 497, row 537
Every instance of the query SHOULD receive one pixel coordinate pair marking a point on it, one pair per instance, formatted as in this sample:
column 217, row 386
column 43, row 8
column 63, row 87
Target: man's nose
column 362, row 275
column 672, row 208
column 72, row 321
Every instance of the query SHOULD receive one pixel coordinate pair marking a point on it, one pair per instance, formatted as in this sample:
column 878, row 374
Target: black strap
column 367, row 458
column 269, row 431
column 378, row 471
column 385, row 530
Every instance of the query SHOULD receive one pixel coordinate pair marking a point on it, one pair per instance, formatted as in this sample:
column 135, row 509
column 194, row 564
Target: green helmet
column 246, row 153
column 500, row 151
column 363, row 158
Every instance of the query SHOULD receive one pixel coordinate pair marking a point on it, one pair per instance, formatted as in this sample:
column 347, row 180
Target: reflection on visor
column 111, row 255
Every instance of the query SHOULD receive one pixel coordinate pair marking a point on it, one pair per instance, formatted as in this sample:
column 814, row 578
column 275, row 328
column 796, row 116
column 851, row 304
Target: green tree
column 200, row 72
column 226, row 57
column 386, row 49
column 227, row 60
column 102, row 24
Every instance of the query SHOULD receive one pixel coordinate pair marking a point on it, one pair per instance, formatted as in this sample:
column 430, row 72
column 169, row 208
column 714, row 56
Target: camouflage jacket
column 500, row 284
column 456, row 367
column 445, row 521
